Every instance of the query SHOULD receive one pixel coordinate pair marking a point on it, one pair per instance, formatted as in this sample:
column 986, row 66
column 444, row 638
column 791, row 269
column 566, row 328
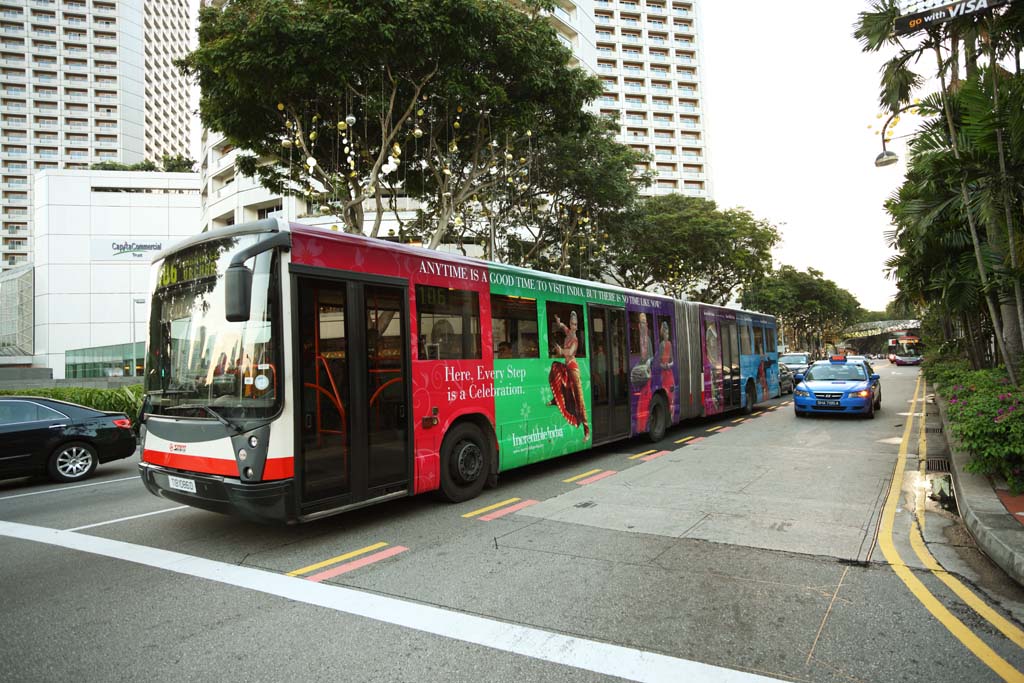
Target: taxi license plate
column 186, row 485
column 828, row 403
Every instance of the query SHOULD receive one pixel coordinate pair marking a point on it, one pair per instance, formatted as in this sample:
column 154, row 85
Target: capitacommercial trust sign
column 115, row 249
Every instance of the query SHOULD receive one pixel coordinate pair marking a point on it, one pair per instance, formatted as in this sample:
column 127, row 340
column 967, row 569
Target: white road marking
column 68, row 488
column 125, row 519
column 579, row 653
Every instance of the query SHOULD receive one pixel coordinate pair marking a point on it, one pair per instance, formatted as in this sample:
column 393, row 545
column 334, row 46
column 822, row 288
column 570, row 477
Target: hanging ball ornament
column 419, row 112
column 311, row 162
column 312, row 136
column 350, row 120
column 459, row 108
column 508, row 156
column 417, row 132
column 287, row 144
column 397, row 149
column 456, row 125
column 529, row 133
column 342, row 125
column 280, row 106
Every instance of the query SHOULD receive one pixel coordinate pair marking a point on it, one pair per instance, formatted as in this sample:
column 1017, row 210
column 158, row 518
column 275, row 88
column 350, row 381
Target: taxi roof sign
column 837, row 359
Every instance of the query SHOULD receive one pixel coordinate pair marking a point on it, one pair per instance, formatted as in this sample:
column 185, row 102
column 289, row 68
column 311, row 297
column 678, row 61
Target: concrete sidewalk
column 996, row 529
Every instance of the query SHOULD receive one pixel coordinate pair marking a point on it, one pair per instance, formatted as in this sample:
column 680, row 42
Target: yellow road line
column 1004, row 625
column 757, row 412
column 956, row 627
column 582, row 476
column 738, row 420
column 640, row 455
column 335, row 560
column 481, row 511
column 685, row 439
column 715, row 428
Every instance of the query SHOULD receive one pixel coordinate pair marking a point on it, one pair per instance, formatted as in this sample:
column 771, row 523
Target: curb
column 998, row 534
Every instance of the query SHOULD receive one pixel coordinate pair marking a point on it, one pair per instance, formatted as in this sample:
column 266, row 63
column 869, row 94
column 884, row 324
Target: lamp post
column 887, row 158
column 135, row 302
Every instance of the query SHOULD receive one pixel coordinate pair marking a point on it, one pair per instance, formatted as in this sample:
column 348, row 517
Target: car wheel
column 871, row 411
column 657, row 419
column 878, row 401
column 465, row 462
column 72, row 461
column 800, row 413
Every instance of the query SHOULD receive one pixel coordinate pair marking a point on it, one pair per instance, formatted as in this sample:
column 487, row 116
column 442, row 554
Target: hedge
column 986, row 414
column 126, row 400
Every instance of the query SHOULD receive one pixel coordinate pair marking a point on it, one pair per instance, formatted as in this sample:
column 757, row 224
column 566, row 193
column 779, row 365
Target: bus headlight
column 253, row 442
column 243, row 454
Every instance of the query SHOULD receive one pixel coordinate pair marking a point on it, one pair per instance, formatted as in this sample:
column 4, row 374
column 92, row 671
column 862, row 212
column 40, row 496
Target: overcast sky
column 788, row 100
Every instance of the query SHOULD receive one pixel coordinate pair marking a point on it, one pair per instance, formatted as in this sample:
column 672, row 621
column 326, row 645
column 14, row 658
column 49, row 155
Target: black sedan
column 786, row 382
column 64, row 440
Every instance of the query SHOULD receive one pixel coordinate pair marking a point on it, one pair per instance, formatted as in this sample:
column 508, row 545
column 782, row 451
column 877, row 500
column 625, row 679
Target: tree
column 690, row 248
column 814, row 310
column 177, row 163
column 980, row 146
column 344, row 102
column 146, row 165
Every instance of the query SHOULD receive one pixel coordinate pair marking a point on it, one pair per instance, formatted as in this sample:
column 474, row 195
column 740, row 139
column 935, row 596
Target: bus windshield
column 198, row 364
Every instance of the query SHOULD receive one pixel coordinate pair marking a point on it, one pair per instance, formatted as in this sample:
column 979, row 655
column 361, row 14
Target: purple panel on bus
column 652, row 356
column 711, row 320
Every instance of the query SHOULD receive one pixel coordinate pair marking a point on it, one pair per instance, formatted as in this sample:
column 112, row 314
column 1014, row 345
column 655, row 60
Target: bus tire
column 657, row 419
column 748, row 408
column 465, row 462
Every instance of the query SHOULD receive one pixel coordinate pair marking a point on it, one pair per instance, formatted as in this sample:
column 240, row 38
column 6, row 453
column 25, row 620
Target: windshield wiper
column 210, row 411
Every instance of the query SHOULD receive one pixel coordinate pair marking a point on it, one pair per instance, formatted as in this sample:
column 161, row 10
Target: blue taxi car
column 838, row 386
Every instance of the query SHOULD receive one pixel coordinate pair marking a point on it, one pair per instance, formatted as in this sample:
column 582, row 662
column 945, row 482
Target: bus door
column 609, row 383
column 352, row 415
column 732, row 388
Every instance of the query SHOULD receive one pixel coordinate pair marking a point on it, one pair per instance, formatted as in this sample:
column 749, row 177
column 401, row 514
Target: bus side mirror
column 237, row 293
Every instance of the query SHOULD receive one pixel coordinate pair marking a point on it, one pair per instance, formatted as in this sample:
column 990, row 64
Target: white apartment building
column 96, row 233
column 648, row 56
column 73, row 81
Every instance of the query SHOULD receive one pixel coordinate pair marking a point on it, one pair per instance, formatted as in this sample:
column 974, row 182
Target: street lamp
column 887, row 158
column 135, row 360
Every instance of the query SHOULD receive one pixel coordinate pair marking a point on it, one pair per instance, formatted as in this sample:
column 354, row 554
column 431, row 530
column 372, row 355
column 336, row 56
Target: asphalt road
column 767, row 547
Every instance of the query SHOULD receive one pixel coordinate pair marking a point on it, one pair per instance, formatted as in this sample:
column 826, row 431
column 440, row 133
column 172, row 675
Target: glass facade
column 16, row 312
column 115, row 360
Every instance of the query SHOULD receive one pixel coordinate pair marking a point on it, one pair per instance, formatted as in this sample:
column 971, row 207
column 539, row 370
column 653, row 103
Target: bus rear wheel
column 465, row 462
column 657, row 419
column 751, row 398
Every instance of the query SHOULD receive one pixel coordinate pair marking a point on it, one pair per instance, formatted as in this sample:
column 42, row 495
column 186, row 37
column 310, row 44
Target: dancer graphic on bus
column 566, row 382
column 666, row 361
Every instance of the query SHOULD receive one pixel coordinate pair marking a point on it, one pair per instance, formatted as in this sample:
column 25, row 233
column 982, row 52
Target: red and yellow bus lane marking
column 347, row 566
column 917, row 542
column 713, row 429
column 589, row 477
column 740, row 420
column 970, row 640
column 644, row 454
column 654, row 456
column 500, row 510
column 685, row 439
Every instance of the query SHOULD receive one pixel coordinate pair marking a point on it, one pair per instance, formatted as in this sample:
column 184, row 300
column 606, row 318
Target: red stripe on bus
column 276, row 468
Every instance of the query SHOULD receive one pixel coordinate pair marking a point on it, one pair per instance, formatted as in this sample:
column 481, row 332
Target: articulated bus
column 295, row 372
column 905, row 350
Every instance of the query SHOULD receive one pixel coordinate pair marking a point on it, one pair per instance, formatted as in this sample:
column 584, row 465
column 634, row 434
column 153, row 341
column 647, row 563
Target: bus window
column 514, row 327
column 448, row 321
column 772, row 346
column 758, row 340
column 565, row 321
column 745, row 348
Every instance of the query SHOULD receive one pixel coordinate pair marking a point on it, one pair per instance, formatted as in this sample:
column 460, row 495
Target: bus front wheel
column 465, row 462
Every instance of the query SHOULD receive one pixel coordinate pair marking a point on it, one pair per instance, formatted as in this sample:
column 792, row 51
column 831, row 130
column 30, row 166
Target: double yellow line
column 885, row 542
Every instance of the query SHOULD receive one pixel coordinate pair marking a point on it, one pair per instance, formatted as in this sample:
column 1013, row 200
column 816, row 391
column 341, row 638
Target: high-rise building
column 648, row 56
column 73, row 82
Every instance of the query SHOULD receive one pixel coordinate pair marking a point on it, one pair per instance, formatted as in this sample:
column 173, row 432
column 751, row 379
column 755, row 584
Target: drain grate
column 933, row 430
column 938, row 465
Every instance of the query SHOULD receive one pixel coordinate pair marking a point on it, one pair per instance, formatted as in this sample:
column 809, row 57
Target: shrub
column 986, row 414
column 126, row 400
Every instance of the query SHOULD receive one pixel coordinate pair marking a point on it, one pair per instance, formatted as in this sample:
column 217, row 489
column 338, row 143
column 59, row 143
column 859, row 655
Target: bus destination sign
column 941, row 12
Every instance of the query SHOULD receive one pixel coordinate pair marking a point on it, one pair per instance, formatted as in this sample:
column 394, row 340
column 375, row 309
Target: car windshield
column 848, row 372
column 197, row 363
column 794, row 358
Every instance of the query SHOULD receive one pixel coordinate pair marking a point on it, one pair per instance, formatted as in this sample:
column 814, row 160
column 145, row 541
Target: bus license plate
column 828, row 403
column 186, row 485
